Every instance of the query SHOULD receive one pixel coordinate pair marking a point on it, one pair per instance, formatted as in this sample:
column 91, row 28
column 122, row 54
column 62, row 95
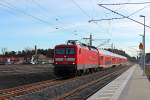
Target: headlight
column 70, row 59
column 59, row 59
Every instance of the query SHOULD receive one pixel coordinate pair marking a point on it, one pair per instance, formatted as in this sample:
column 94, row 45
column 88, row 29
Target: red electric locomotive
column 78, row 58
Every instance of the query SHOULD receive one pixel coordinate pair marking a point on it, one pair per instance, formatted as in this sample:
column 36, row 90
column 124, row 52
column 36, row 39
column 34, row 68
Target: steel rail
column 109, row 76
column 34, row 87
column 20, row 90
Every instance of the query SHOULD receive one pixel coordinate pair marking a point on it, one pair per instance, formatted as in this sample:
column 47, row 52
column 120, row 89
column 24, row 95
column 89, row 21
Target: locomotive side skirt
column 86, row 66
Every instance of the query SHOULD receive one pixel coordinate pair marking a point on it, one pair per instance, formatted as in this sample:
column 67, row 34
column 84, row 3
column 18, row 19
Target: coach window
column 70, row 51
column 60, row 51
column 101, row 57
column 80, row 51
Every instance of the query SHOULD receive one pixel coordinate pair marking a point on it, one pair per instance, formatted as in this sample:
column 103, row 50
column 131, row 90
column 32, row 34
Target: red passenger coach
column 109, row 59
column 78, row 58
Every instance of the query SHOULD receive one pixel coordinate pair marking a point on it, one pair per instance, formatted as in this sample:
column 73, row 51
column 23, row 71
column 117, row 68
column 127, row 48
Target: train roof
column 76, row 43
column 105, row 52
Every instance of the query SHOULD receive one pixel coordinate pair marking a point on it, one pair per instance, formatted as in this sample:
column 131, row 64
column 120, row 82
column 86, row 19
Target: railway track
column 20, row 90
column 61, row 88
column 86, row 90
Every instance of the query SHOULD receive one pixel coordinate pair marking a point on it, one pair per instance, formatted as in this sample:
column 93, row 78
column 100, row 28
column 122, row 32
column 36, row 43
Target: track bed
column 15, row 75
column 69, row 88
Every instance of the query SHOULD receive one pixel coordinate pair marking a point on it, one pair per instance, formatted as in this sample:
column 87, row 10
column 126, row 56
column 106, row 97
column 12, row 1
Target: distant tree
column 23, row 53
column 6, row 53
column 4, row 50
column 12, row 53
column 50, row 53
column 29, row 52
column 27, row 49
column 19, row 52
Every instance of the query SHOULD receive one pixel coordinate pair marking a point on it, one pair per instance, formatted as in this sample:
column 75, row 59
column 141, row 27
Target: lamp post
column 143, row 46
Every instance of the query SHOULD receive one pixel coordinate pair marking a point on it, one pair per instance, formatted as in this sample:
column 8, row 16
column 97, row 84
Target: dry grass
column 147, row 71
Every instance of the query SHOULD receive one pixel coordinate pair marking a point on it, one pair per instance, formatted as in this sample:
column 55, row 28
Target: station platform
column 131, row 85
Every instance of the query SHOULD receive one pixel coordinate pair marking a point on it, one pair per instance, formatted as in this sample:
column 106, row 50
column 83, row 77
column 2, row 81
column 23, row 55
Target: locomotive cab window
column 60, row 51
column 70, row 51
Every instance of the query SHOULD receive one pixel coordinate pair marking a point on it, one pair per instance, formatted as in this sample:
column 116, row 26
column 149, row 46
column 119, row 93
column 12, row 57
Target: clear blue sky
column 46, row 23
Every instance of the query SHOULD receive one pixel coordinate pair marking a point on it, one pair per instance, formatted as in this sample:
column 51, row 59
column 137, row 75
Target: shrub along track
column 63, row 89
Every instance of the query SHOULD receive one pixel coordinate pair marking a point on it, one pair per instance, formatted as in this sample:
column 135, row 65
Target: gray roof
column 105, row 52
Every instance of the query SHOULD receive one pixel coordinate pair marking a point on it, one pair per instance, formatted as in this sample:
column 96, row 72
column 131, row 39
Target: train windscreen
column 70, row 51
column 60, row 51
column 67, row 51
